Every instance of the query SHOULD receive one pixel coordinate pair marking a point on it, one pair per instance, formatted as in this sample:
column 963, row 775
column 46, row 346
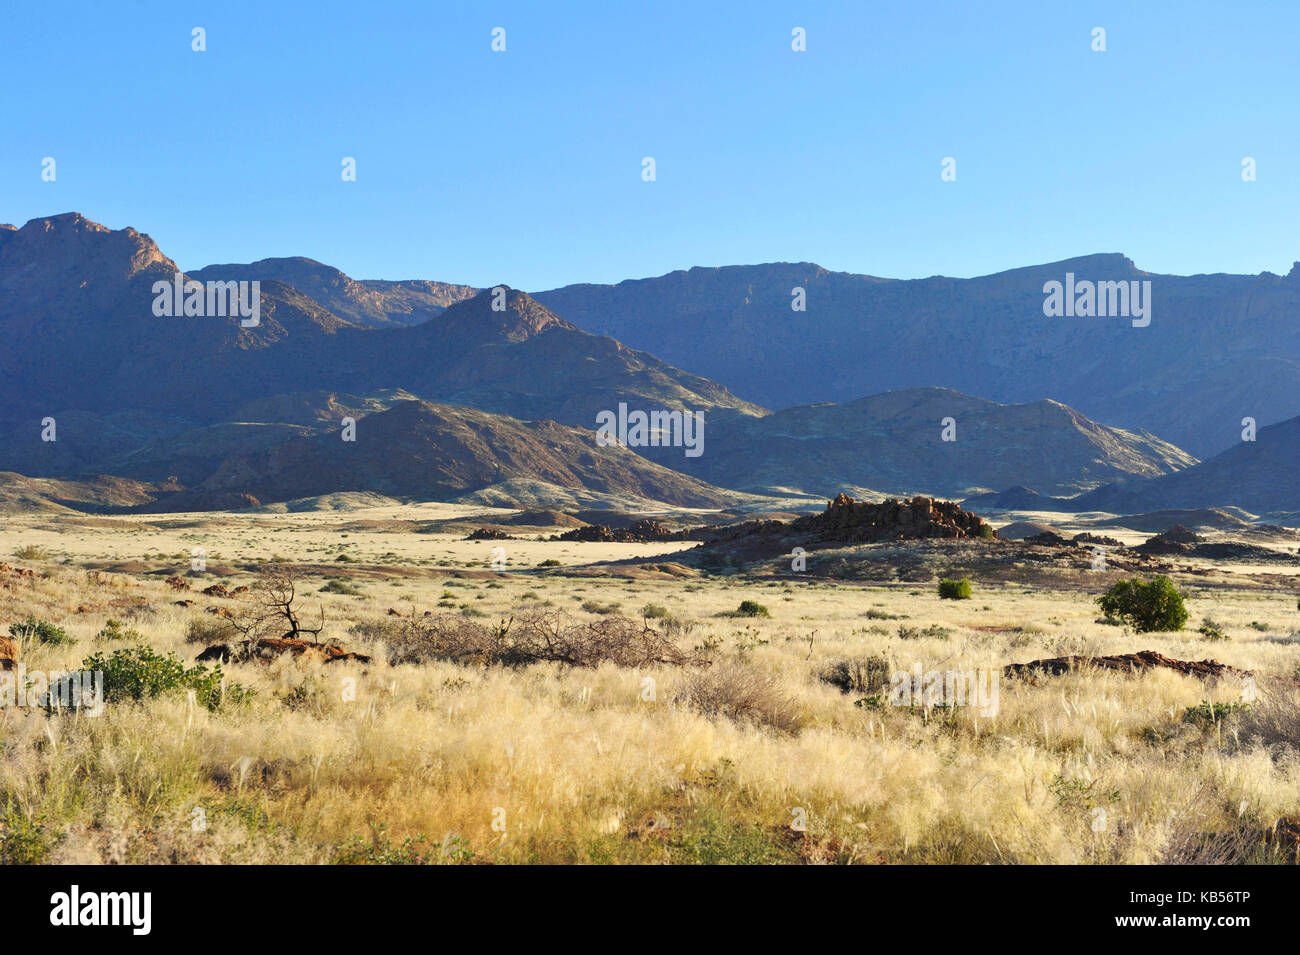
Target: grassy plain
column 754, row 758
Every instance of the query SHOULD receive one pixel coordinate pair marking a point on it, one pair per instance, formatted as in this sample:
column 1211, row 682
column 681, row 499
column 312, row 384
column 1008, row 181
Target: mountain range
column 456, row 390
column 1219, row 348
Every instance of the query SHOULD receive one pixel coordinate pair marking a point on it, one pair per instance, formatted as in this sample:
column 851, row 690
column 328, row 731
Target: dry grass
column 596, row 745
column 743, row 694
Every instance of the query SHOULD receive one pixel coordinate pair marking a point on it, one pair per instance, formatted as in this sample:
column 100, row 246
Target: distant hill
column 1260, row 476
column 21, row 494
column 893, row 443
column 440, row 452
column 1218, row 348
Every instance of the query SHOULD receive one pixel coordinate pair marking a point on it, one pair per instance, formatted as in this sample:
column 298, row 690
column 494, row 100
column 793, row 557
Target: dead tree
column 274, row 596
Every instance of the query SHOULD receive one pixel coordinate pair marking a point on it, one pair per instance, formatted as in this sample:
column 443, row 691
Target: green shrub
column 655, row 612
column 31, row 552
column 549, row 562
column 380, row 849
column 934, row 631
column 42, row 631
column 751, row 608
column 1207, row 715
column 1147, row 606
column 341, row 587
column 884, row 615
column 140, row 674
column 113, row 630
column 954, row 589
column 23, row 840
column 1211, row 630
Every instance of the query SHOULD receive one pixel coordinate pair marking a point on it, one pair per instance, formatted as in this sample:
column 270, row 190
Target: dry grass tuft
column 743, row 694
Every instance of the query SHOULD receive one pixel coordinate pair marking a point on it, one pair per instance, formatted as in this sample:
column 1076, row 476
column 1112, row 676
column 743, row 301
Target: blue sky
column 524, row 167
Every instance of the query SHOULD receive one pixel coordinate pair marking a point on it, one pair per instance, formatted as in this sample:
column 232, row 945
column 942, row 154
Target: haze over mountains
column 457, row 390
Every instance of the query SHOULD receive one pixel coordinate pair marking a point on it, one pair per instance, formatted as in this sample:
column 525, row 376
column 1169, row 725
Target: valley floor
column 786, row 748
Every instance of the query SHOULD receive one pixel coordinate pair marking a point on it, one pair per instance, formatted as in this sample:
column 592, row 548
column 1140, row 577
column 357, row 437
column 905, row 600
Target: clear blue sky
column 524, row 167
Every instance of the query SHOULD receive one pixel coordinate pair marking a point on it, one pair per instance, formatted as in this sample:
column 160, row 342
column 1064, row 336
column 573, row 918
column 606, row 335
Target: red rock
column 1131, row 662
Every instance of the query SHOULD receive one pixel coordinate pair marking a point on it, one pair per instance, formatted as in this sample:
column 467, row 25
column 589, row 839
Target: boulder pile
column 643, row 531
column 849, row 521
column 1176, row 540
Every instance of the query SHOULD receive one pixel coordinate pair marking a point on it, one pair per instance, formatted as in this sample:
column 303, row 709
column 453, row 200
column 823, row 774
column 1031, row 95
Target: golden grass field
column 440, row 762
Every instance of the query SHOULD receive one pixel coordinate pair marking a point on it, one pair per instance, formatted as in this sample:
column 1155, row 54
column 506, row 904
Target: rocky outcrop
column 1176, row 540
column 848, row 521
column 643, row 531
column 1129, row 662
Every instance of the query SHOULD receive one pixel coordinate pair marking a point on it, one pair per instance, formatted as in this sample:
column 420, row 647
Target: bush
column 655, row 612
column 1207, row 715
column 1147, row 606
column 748, row 608
column 743, row 694
column 1211, row 630
column 883, row 615
column 209, row 629
column 341, row 587
column 142, row 674
column 23, row 840
column 934, row 631
column 31, row 552
column 380, row 849
column 113, row 630
column 869, row 674
column 954, row 589
column 42, row 631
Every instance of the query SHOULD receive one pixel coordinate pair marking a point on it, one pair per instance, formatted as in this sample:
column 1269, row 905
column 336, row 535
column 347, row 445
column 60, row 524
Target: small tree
column 954, row 589
column 274, row 608
column 1146, row 606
